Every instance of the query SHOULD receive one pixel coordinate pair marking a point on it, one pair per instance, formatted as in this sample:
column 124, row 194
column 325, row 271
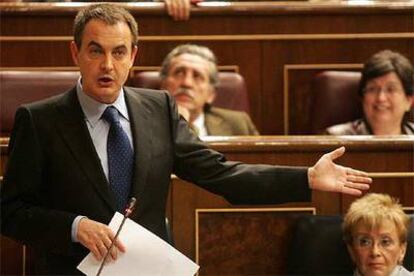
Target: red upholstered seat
column 231, row 88
column 20, row 87
column 335, row 99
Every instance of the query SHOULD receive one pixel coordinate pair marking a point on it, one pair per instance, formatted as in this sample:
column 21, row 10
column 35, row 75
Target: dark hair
column 108, row 13
column 192, row 49
column 385, row 62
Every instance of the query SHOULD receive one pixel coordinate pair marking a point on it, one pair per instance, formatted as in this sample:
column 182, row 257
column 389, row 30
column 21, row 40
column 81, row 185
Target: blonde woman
column 375, row 231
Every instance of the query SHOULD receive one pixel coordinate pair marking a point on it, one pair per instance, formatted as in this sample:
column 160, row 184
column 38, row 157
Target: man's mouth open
column 105, row 81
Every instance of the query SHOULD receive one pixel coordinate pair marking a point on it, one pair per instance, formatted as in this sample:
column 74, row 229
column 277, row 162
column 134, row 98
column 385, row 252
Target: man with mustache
column 189, row 73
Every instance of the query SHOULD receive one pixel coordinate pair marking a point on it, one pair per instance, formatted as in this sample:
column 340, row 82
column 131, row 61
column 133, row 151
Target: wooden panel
column 298, row 95
column 262, row 39
column 245, row 241
column 12, row 257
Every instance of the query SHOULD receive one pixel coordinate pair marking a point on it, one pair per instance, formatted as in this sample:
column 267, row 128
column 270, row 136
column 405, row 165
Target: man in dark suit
column 189, row 73
column 59, row 190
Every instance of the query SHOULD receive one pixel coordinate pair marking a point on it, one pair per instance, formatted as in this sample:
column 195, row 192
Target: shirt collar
column 199, row 123
column 93, row 109
column 398, row 270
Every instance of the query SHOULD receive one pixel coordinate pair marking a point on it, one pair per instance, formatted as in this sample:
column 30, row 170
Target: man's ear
column 134, row 53
column 212, row 96
column 74, row 52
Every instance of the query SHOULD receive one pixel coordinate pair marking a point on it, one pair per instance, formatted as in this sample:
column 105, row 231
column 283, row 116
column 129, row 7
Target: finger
column 175, row 10
column 186, row 9
column 359, row 186
column 169, row 7
column 121, row 247
column 96, row 253
column 184, row 13
column 356, row 172
column 336, row 153
column 114, row 253
column 102, row 249
column 107, row 241
column 351, row 191
column 182, row 10
column 359, row 179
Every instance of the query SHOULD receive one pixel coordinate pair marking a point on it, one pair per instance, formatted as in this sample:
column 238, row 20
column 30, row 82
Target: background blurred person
column 376, row 230
column 386, row 90
column 189, row 73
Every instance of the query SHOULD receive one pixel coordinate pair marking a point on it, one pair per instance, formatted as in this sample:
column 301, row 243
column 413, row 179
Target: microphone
column 128, row 210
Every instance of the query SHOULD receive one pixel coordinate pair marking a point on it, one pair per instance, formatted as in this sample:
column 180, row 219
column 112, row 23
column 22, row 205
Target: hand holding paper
column 147, row 254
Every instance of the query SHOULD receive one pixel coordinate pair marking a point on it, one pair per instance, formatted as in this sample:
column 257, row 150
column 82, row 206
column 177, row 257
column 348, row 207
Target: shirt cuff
column 75, row 224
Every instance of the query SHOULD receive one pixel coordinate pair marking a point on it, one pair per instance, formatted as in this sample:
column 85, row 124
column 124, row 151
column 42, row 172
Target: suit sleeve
column 237, row 182
column 24, row 215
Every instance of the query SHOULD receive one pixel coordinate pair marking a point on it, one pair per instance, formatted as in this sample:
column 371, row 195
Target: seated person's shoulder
column 228, row 112
column 409, row 128
column 356, row 127
column 240, row 121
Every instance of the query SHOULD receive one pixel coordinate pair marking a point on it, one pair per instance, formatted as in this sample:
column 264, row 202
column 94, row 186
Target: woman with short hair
column 375, row 230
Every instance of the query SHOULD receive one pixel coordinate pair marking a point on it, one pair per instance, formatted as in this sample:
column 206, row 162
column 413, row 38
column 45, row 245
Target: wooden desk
column 387, row 155
column 276, row 46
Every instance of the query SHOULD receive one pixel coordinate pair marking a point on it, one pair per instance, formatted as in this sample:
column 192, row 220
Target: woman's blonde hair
column 372, row 210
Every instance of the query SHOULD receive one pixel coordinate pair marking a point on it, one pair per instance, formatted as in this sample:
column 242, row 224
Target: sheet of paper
column 146, row 254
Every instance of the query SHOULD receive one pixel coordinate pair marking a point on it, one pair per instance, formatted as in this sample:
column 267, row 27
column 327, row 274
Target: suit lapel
column 139, row 115
column 72, row 127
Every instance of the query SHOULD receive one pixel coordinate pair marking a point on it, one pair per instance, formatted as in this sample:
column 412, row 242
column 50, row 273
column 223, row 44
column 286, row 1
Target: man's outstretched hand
column 325, row 175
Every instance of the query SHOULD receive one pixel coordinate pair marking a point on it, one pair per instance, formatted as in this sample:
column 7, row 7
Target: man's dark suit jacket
column 54, row 174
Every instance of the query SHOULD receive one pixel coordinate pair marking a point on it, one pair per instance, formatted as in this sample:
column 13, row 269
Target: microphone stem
column 110, row 247
column 128, row 211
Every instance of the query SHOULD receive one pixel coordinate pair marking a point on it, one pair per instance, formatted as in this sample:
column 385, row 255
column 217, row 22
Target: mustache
column 183, row 91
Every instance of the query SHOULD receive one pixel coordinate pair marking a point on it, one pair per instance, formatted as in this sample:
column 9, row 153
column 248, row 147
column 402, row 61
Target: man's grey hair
column 192, row 49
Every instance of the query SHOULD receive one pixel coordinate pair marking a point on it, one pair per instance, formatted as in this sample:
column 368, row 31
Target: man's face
column 188, row 81
column 104, row 59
